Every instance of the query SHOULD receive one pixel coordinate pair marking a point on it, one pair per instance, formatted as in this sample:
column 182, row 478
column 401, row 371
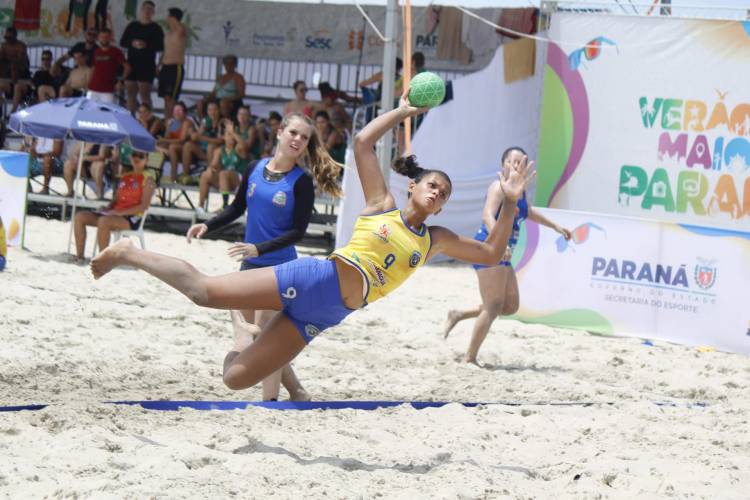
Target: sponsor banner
column 633, row 277
column 647, row 117
column 269, row 30
column 14, row 168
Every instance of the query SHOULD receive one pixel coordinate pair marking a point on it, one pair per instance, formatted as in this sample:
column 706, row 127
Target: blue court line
column 336, row 405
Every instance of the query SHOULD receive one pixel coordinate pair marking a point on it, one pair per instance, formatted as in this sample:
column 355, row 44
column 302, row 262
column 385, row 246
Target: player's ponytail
column 408, row 167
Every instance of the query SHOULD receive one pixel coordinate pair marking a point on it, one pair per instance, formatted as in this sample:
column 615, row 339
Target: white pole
column 75, row 195
column 389, row 77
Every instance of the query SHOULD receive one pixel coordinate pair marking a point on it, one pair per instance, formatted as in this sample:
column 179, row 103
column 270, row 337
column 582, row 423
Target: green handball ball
column 426, row 90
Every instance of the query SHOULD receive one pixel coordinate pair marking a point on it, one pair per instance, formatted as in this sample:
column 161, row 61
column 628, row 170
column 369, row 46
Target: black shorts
column 142, row 72
column 170, row 80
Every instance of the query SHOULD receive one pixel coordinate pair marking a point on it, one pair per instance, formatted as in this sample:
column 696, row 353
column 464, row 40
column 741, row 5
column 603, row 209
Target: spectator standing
column 107, row 63
column 142, row 39
column 171, row 67
column 14, row 67
column 86, row 47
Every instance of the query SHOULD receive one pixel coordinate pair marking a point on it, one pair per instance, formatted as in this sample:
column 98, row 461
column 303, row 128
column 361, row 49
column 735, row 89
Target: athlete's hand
column 408, row 108
column 518, row 177
column 242, row 251
column 565, row 232
column 196, row 231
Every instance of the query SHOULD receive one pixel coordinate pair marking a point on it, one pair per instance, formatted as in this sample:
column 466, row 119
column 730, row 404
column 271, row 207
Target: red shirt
column 106, row 64
column 129, row 192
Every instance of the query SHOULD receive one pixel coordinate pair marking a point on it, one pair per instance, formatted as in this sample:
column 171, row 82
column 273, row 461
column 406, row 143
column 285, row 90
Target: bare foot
column 453, row 318
column 472, row 361
column 110, row 258
column 299, row 395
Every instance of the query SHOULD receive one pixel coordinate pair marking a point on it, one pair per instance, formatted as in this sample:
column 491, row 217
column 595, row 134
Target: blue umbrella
column 85, row 120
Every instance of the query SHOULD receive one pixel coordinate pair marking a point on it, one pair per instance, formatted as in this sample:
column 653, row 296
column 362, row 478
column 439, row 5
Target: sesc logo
column 320, row 40
column 705, row 273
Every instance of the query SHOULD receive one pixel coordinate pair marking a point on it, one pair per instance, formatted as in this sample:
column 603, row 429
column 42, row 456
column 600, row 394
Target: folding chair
column 116, row 235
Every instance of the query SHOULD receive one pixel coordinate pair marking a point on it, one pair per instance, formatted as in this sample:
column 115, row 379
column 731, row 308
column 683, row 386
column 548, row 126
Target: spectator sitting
column 78, row 79
column 333, row 139
column 150, row 122
column 132, row 199
column 177, row 133
column 249, row 143
column 14, row 67
column 95, row 158
column 340, row 119
column 269, row 130
column 229, row 90
column 45, row 158
column 225, row 169
column 202, row 142
column 299, row 104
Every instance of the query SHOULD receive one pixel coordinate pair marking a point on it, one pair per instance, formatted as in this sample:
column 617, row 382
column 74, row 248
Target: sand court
column 72, row 343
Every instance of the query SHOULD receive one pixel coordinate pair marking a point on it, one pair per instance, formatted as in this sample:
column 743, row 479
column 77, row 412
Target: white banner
column 272, row 30
column 14, row 168
column 648, row 117
column 632, row 277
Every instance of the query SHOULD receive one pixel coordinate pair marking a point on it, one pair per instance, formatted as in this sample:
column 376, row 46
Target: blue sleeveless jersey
column 522, row 212
column 270, row 212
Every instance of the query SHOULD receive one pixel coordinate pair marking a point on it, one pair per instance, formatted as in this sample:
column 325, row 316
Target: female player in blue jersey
column 497, row 283
column 278, row 196
column 387, row 246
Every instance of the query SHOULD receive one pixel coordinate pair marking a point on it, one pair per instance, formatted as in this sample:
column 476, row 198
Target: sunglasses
column 140, row 156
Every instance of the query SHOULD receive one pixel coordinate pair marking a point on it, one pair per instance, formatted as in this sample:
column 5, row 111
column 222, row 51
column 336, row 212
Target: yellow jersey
column 3, row 246
column 386, row 251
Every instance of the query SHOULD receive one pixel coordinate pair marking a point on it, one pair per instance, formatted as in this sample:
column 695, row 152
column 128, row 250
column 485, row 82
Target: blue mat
column 306, row 405
column 336, row 405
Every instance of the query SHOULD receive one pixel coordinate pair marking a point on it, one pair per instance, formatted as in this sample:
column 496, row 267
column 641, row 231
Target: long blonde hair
column 325, row 170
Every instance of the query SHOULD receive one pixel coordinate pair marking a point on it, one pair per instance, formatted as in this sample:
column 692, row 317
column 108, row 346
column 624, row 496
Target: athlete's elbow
column 361, row 144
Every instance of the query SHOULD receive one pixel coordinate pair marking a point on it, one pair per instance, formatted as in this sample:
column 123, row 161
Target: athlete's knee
column 235, row 381
column 510, row 307
column 494, row 308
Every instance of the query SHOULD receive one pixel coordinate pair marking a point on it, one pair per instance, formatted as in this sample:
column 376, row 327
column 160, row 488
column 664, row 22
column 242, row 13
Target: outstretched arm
column 544, row 221
column 377, row 196
column 489, row 251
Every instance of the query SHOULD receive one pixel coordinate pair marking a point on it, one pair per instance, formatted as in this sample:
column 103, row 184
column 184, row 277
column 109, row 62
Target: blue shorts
column 310, row 293
column 503, row 263
column 2, row 262
column 37, row 168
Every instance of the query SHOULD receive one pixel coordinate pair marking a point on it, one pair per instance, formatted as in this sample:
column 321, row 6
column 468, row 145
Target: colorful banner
column 647, row 117
column 633, row 277
column 268, row 30
column 14, row 167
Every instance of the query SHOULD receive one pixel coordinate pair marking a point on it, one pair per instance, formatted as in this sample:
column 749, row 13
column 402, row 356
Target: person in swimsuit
column 171, row 68
column 497, row 283
column 227, row 167
column 311, row 295
column 228, row 91
column 249, row 142
column 177, row 134
column 333, row 139
column 299, row 104
column 133, row 197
